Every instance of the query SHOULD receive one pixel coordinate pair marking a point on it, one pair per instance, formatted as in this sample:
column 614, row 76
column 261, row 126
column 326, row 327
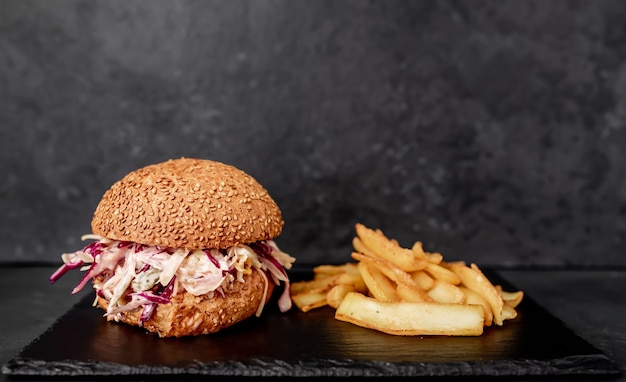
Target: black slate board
column 312, row 344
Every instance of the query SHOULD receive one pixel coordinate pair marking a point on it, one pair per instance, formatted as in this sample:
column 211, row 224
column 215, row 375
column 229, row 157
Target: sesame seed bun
column 187, row 203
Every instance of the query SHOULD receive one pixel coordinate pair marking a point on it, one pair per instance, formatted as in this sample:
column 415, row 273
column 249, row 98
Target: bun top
column 187, row 203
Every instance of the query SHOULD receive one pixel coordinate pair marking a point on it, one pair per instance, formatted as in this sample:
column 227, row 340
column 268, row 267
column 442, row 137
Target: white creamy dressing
column 131, row 275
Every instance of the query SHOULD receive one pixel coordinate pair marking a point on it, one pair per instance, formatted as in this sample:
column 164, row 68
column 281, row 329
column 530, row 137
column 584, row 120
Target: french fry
column 444, row 292
column 440, row 272
column 353, row 279
column 389, row 250
column 377, row 283
column 474, row 279
column 411, row 318
column 329, row 269
column 511, row 299
column 393, row 273
column 320, row 275
column 457, row 262
column 327, row 285
column 309, row 300
column 316, row 284
column 358, row 246
column 508, row 312
column 472, row 297
column 411, row 294
column 418, row 250
column 423, row 279
column 336, row 294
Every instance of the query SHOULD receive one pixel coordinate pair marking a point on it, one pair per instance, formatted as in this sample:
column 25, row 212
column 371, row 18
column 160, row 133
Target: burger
column 183, row 247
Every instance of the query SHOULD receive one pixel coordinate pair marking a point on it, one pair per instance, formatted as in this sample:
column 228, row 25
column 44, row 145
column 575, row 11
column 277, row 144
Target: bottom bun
column 189, row 315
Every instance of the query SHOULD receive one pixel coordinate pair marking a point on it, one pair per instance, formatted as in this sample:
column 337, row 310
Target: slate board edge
column 581, row 365
column 576, row 365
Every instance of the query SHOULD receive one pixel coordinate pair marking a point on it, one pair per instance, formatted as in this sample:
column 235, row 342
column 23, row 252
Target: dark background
column 492, row 131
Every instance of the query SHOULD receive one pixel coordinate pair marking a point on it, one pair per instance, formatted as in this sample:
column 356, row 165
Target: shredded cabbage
column 131, row 275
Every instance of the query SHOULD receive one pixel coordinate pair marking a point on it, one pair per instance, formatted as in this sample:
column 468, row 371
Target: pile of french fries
column 406, row 291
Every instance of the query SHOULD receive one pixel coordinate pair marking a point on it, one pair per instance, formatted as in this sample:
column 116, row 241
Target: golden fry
column 393, row 272
column 412, row 294
column 418, row 251
column 411, row 318
column 389, row 250
column 508, row 312
column 511, row 299
column 358, row 246
column 472, row 297
column 329, row 270
column 377, row 283
column 309, row 300
column 422, row 279
column 473, row 278
column 336, row 294
column 444, row 292
column 438, row 271
column 317, row 284
column 353, row 279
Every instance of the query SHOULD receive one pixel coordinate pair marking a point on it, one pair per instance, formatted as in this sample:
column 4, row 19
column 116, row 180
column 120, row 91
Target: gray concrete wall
column 492, row 131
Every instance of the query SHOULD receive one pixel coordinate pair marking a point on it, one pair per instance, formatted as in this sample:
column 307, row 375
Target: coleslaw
column 131, row 275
